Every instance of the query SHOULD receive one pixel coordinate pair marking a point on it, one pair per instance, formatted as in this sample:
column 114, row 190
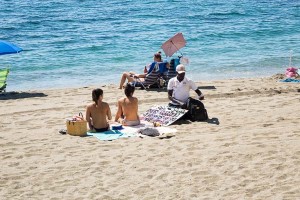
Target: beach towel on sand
column 110, row 135
column 291, row 80
column 132, row 131
column 125, row 132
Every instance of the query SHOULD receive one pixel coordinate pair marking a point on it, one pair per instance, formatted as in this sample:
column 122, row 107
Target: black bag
column 197, row 111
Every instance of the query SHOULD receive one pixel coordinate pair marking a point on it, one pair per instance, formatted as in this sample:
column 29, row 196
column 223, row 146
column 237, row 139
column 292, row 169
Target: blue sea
column 75, row 43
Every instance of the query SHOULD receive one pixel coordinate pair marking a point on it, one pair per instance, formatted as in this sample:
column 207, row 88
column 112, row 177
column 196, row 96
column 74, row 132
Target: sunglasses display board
column 164, row 115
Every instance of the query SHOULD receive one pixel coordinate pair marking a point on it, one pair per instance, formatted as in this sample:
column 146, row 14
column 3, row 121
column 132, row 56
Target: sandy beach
column 248, row 149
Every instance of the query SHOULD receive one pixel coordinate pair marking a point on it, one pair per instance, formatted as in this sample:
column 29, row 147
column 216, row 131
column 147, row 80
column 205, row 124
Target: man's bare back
column 127, row 113
column 129, row 108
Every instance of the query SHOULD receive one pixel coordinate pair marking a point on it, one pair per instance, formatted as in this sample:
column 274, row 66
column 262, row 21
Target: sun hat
column 180, row 69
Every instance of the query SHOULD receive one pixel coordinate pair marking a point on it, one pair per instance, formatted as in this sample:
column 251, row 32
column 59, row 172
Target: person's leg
column 125, row 75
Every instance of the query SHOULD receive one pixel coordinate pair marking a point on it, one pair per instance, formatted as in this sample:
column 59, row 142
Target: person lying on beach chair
column 152, row 80
column 127, row 113
column 131, row 76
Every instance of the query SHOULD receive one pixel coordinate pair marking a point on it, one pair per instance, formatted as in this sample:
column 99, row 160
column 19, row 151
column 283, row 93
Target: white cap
column 180, row 69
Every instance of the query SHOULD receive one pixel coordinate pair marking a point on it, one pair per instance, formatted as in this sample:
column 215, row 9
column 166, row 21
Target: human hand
column 201, row 97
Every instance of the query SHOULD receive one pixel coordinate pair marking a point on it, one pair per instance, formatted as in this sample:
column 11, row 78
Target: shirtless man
column 98, row 113
column 127, row 113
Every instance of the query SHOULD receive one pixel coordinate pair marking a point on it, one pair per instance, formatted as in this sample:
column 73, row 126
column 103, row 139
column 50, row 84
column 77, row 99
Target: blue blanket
column 110, row 135
column 290, row 80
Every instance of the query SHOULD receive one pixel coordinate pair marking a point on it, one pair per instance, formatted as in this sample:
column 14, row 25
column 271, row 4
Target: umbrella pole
column 176, row 48
column 291, row 55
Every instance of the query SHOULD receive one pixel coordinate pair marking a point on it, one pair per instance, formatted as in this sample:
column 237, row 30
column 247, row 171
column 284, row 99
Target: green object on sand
column 3, row 78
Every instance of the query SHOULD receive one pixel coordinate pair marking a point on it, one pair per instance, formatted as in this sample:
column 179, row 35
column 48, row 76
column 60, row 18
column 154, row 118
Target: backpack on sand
column 197, row 111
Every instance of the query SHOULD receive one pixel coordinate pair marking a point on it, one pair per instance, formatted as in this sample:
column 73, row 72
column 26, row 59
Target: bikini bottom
column 101, row 129
column 131, row 123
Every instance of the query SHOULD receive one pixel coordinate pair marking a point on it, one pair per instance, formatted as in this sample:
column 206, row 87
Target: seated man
column 179, row 88
column 131, row 76
column 127, row 113
column 98, row 113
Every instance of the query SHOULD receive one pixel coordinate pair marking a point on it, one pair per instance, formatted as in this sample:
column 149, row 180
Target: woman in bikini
column 98, row 113
column 127, row 113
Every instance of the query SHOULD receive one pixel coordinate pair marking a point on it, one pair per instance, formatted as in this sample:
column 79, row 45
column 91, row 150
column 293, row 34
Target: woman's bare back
column 99, row 114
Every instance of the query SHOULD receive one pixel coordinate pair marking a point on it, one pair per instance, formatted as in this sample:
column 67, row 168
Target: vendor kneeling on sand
column 127, row 113
column 179, row 88
column 98, row 113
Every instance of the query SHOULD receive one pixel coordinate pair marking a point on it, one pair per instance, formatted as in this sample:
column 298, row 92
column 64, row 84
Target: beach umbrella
column 8, row 48
column 173, row 44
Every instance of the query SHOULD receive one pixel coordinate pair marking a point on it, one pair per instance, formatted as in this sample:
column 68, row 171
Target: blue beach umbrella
column 8, row 48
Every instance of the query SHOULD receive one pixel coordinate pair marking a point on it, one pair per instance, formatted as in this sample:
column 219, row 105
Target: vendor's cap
column 180, row 69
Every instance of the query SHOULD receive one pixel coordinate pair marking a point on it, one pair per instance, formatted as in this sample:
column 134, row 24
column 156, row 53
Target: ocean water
column 74, row 43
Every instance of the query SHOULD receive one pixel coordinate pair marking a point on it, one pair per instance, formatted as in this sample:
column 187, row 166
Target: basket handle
column 80, row 114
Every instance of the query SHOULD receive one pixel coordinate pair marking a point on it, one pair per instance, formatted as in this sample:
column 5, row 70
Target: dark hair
column 157, row 55
column 96, row 93
column 129, row 89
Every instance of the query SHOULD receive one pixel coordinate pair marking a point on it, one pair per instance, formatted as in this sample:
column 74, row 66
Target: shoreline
column 248, row 149
column 117, row 79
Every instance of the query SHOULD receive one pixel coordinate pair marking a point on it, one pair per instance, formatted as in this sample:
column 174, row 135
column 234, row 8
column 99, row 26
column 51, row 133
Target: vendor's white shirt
column 181, row 90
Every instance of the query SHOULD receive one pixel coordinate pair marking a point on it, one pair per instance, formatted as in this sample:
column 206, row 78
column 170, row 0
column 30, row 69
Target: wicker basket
column 76, row 128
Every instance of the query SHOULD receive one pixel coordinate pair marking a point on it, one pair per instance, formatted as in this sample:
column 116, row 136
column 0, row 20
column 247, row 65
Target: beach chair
column 171, row 72
column 3, row 77
column 152, row 80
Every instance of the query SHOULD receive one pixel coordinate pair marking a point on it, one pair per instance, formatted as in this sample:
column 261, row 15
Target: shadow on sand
column 164, row 89
column 20, row 95
column 186, row 121
column 208, row 87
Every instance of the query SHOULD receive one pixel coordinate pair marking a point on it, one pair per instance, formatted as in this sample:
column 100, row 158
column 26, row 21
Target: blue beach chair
column 151, row 80
column 171, row 72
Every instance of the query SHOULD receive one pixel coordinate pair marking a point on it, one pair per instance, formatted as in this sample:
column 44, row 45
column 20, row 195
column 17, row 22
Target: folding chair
column 150, row 79
column 172, row 70
column 138, row 83
column 3, row 78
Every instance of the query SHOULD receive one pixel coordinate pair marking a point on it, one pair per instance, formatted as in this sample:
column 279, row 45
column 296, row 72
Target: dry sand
column 249, row 149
